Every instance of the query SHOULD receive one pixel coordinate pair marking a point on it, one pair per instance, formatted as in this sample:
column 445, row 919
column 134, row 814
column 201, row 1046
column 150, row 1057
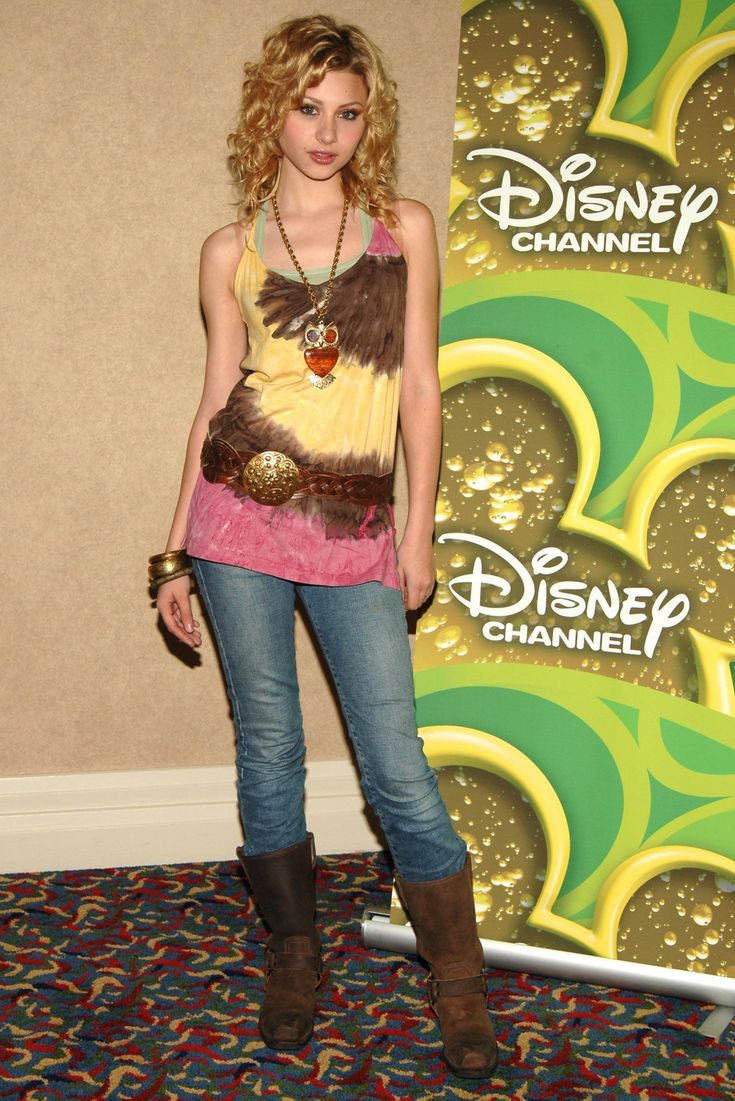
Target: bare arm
column 226, row 347
column 420, row 404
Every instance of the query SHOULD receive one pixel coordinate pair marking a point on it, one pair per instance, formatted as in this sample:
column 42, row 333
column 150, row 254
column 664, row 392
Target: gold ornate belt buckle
column 270, row 478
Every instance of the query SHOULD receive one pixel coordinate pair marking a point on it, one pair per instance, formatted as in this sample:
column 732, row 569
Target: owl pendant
column 321, row 352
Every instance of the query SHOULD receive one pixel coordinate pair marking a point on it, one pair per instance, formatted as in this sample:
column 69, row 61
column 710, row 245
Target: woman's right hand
column 174, row 606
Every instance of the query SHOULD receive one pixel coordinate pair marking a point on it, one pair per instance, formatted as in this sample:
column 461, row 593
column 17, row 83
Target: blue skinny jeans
column 362, row 633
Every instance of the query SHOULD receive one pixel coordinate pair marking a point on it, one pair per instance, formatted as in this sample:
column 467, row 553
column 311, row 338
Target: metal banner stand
column 378, row 932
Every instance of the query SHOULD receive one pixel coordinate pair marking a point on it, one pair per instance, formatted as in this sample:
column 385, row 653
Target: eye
column 307, row 109
column 350, row 115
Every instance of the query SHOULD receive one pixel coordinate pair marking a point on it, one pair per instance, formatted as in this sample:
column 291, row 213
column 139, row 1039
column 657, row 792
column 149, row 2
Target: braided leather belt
column 271, row 478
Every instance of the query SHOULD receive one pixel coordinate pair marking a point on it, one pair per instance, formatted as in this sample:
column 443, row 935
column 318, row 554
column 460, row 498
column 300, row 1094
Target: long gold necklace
column 322, row 350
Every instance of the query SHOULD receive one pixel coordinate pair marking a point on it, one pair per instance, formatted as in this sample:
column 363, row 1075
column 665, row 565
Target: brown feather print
column 368, row 306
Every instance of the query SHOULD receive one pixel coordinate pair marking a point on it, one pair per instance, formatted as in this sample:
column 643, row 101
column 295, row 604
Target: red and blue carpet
column 144, row 983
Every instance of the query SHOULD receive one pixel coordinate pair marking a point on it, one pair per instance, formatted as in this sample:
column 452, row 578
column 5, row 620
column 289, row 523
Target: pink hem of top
column 238, row 531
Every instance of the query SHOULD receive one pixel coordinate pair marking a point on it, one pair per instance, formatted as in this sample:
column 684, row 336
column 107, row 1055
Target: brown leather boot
column 284, row 889
column 442, row 913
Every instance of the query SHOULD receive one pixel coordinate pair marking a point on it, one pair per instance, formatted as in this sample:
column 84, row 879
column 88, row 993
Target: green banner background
column 590, row 408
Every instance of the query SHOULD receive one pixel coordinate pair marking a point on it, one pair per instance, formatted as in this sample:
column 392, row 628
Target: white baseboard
column 158, row 816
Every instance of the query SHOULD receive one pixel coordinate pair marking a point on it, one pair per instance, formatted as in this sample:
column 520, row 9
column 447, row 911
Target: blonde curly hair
column 296, row 56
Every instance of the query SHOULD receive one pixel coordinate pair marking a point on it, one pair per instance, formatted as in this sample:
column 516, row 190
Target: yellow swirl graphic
column 456, row 745
column 484, row 356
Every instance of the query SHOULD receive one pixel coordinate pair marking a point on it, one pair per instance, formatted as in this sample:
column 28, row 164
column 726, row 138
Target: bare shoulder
column 219, row 259
column 222, row 250
column 415, row 232
column 413, row 214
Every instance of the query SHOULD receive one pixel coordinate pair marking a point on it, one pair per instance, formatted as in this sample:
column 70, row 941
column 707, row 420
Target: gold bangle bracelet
column 167, row 556
column 161, row 567
column 156, row 582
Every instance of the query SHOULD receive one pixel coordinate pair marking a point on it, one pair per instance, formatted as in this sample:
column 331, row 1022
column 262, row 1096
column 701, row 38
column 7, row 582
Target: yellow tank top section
column 349, row 426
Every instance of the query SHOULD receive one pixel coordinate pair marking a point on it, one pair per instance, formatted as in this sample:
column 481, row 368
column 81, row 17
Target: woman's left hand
column 416, row 571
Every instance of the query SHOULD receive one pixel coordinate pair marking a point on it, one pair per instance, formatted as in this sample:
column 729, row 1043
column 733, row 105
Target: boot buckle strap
column 290, row 961
column 455, row 988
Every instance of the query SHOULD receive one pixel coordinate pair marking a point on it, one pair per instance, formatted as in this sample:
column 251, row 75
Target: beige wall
column 113, row 154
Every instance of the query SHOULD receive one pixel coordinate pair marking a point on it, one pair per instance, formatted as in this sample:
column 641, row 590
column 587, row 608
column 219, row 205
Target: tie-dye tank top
column 348, row 427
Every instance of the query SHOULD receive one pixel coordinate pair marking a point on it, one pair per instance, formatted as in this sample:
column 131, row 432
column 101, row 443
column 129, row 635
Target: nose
column 327, row 129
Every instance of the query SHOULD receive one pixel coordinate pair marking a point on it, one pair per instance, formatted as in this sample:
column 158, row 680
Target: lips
column 322, row 158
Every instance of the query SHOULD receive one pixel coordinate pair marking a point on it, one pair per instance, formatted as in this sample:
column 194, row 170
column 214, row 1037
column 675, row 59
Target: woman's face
column 320, row 136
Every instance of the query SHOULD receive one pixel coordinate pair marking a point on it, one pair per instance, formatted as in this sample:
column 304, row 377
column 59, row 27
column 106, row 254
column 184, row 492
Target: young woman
column 321, row 311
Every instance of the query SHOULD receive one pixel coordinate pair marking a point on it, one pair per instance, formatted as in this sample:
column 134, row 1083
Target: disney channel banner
column 574, row 673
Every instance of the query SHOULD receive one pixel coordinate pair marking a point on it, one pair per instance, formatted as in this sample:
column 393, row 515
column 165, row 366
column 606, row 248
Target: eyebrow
column 352, row 103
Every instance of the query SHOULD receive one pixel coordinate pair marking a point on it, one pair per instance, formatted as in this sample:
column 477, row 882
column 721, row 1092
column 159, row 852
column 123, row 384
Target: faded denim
column 362, row 633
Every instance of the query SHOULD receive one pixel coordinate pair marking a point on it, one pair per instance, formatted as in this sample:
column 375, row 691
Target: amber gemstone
column 321, row 360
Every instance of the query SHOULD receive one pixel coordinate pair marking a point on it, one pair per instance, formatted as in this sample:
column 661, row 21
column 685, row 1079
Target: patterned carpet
column 144, row 983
